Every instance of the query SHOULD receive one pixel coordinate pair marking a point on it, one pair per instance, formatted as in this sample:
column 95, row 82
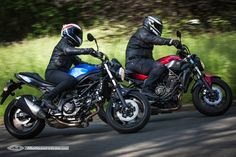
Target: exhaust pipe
column 30, row 108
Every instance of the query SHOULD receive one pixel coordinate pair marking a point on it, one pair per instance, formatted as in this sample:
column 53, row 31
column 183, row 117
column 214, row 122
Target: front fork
column 206, row 80
column 116, row 86
column 201, row 76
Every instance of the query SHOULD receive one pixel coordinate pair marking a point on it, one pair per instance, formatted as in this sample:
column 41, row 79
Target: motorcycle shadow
column 92, row 129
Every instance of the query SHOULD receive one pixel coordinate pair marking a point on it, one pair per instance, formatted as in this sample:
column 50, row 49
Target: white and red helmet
column 73, row 33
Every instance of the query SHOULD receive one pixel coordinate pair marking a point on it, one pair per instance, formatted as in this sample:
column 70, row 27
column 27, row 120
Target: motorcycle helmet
column 153, row 24
column 73, row 33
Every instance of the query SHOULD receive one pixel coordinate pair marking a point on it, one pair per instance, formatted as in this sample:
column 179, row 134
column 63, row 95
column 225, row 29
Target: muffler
column 26, row 104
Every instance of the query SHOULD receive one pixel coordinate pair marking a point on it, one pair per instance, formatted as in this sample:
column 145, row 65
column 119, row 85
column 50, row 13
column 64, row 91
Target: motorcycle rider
column 139, row 56
column 63, row 56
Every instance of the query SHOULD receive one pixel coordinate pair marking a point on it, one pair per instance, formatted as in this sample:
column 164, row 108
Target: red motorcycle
column 210, row 94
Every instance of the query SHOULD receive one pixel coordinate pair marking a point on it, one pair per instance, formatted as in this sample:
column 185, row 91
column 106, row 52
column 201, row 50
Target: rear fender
column 9, row 88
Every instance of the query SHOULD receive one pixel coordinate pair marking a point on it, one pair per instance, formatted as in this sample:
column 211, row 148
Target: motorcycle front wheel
column 216, row 104
column 128, row 119
column 102, row 113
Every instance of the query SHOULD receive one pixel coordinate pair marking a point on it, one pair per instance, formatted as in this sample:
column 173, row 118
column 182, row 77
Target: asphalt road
column 180, row 134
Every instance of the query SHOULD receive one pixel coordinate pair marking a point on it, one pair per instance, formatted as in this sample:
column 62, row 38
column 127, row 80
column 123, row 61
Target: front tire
column 213, row 107
column 102, row 114
column 139, row 113
column 21, row 127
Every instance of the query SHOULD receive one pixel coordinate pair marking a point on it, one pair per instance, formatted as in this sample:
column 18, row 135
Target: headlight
column 122, row 73
column 5, row 89
column 117, row 70
column 203, row 65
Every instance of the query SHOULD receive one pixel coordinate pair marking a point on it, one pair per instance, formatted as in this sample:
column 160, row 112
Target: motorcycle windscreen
column 82, row 69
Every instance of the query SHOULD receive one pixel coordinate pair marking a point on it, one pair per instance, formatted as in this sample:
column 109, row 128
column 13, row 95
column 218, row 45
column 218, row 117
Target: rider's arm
column 155, row 40
column 76, row 51
column 77, row 60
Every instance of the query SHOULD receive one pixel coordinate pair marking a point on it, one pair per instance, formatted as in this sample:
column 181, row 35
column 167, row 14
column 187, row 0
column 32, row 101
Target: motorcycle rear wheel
column 21, row 127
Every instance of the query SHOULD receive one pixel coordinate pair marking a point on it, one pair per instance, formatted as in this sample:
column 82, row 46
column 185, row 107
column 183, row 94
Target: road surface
column 180, row 134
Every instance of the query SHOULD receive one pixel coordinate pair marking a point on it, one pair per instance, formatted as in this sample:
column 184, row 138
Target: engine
column 77, row 107
column 68, row 108
column 167, row 86
column 161, row 90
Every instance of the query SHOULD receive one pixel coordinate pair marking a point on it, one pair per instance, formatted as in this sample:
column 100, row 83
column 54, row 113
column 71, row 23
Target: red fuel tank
column 168, row 59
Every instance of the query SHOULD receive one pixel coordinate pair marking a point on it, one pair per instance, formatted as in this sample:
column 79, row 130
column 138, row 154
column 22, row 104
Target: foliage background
column 21, row 18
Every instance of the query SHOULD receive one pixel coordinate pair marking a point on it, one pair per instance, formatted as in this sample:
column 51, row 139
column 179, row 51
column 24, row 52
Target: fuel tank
column 82, row 69
column 168, row 59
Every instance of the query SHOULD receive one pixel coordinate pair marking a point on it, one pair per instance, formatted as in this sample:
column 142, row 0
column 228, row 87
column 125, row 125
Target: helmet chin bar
column 80, row 40
column 156, row 32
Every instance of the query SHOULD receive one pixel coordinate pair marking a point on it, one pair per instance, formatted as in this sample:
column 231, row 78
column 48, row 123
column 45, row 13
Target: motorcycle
column 211, row 95
column 128, row 111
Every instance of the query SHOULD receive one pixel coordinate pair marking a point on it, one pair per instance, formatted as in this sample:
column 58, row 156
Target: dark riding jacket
column 64, row 55
column 141, row 44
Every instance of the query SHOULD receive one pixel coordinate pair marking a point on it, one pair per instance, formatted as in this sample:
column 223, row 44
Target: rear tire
column 137, row 121
column 212, row 108
column 13, row 123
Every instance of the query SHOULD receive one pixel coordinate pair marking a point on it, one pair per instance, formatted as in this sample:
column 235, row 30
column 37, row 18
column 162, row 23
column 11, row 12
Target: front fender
column 208, row 79
column 126, row 91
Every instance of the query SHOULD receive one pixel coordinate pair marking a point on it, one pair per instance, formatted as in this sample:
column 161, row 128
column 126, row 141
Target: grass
column 216, row 51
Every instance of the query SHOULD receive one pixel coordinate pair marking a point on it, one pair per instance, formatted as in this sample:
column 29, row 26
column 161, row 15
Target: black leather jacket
column 64, row 55
column 141, row 44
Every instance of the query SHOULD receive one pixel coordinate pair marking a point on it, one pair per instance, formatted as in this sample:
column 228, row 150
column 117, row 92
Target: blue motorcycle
column 127, row 111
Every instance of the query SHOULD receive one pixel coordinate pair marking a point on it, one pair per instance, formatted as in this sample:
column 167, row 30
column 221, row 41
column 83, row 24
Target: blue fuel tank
column 82, row 69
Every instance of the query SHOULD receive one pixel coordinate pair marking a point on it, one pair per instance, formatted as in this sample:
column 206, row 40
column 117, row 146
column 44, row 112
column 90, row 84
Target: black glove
column 96, row 54
column 100, row 54
column 92, row 52
column 176, row 43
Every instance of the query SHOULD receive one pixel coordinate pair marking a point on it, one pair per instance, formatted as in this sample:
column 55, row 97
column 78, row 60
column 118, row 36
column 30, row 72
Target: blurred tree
column 19, row 18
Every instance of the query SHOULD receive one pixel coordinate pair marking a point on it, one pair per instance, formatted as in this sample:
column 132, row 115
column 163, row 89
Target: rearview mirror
column 178, row 34
column 90, row 37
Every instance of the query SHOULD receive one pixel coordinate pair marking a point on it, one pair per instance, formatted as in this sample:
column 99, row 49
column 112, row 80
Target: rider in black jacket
column 139, row 57
column 63, row 56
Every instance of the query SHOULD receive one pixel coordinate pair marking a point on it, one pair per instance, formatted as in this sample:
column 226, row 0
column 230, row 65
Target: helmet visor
column 158, row 27
column 78, row 33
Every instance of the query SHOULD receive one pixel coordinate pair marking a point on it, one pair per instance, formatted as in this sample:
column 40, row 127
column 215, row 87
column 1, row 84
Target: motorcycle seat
column 128, row 72
column 37, row 80
column 133, row 75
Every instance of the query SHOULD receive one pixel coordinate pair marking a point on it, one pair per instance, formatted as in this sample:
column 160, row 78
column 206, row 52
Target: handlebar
column 104, row 57
column 183, row 51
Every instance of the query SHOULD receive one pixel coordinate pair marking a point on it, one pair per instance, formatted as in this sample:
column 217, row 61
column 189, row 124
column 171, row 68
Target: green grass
column 217, row 52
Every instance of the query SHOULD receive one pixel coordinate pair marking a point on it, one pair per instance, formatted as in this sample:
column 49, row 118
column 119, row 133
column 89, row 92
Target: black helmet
column 73, row 33
column 153, row 24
